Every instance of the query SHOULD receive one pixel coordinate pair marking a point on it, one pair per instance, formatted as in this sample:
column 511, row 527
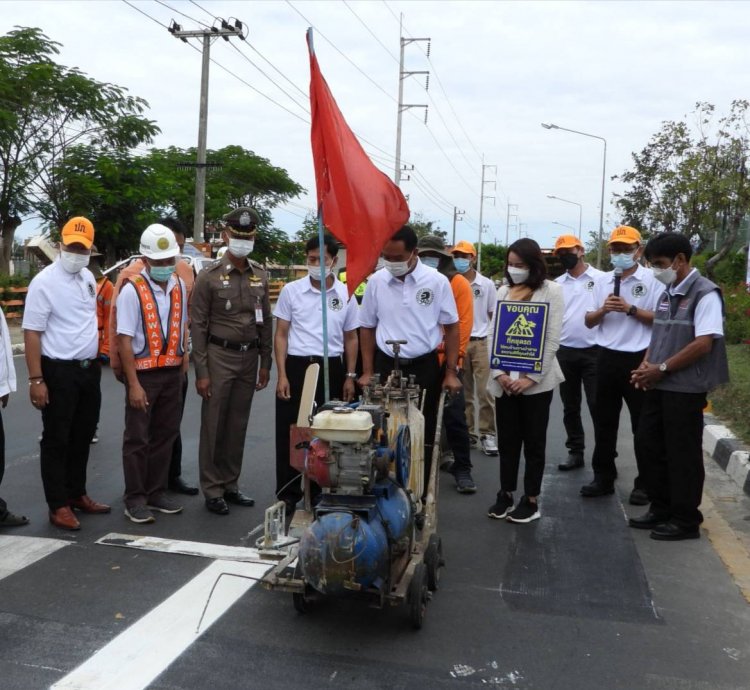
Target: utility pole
column 223, row 30
column 402, row 74
column 482, row 197
column 507, row 223
column 456, row 214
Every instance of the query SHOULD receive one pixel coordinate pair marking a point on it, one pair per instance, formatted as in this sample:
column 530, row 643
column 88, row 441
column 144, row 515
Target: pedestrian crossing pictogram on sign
column 521, row 328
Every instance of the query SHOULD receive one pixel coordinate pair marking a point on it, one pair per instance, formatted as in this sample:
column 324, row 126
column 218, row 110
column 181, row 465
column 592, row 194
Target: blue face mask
column 431, row 261
column 462, row 265
column 161, row 274
column 623, row 261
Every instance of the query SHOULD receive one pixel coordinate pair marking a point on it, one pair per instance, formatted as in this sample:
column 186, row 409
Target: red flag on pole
column 360, row 205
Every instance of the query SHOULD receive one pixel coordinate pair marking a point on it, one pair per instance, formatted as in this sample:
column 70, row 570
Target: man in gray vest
column 685, row 360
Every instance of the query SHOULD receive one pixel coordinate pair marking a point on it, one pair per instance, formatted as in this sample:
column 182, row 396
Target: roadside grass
column 732, row 402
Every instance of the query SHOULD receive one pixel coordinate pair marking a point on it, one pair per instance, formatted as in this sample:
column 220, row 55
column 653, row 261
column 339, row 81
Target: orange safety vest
column 157, row 353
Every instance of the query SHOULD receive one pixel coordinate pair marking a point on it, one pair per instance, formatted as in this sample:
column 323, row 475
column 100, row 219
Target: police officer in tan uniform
column 231, row 330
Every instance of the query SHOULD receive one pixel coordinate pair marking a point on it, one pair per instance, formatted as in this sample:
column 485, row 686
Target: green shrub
column 737, row 305
column 731, row 402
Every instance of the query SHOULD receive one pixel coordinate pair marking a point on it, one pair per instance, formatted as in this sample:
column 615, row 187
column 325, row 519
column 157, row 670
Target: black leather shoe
column 669, row 531
column 638, row 497
column 217, row 505
column 238, row 498
column 648, row 520
column 573, row 462
column 597, row 488
column 180, row 486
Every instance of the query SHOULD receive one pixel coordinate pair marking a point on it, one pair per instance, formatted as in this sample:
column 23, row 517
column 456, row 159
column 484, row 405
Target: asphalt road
column 576, row 600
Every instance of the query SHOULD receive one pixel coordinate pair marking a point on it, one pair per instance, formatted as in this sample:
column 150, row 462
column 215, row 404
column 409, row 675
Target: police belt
column 230, row 345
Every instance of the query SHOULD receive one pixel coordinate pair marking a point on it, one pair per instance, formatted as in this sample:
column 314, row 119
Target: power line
column 370, row 31
column 130, row 4
column 187, row 16
column 203, row 10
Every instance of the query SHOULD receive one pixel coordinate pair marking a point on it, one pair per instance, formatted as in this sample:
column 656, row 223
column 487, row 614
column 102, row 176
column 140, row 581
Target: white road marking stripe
column 18, row 552
column 133, row 659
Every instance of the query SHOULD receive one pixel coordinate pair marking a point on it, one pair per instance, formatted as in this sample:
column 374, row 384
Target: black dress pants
column 287, row 489
column 3, row 505
column 670, row 438
column 175, row 464
column 578, row 365
column 522, row 423
column 612, row 387
column 456, row 429
column 69, row 423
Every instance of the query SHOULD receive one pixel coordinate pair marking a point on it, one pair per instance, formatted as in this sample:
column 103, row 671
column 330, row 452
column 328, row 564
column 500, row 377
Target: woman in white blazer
column 522, row 400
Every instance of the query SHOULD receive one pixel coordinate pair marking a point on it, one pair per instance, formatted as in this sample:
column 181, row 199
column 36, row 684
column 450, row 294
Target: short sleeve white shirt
column 130, row 318
column 300, row 304
column 413, row 309
column 484, row 305
column 62, row 307
column 7, row 369
column 577, row 295
column 618, row 331
column 708, row 318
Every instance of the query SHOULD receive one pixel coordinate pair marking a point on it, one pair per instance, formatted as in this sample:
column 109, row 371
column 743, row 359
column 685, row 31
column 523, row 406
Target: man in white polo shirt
column 408, row 301
column 477, row 360
column 298, row 342
column 622, row 306
column 577, row 353
column 61, row 337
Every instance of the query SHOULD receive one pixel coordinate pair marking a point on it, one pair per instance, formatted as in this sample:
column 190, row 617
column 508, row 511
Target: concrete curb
column 727, row 451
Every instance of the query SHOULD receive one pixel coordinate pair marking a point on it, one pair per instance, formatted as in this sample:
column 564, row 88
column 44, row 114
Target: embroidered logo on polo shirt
column 335, row 303
column 477, row 292
column 92, row 292
column 639, row 290
column 590, row 285
column 425, row 297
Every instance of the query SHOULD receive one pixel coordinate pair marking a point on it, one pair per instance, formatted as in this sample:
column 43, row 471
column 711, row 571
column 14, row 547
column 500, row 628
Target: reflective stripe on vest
column 156, row 354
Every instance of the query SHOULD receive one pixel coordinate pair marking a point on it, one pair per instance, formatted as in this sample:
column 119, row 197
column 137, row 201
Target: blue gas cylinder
column 394, row 509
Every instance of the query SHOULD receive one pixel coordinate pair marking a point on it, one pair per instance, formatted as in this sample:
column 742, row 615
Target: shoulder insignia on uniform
column 213, row 266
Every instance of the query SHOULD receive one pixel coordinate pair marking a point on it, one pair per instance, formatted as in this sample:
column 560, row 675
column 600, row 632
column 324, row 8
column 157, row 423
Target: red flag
column 360, row 205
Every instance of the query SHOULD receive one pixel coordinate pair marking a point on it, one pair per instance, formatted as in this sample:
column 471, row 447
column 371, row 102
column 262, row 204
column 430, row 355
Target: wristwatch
column 351, row 374
column 663, row 367
column 633, row 309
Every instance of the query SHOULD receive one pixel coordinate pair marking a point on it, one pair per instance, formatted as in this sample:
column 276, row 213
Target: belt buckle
column 244, row 347
column 84, row 363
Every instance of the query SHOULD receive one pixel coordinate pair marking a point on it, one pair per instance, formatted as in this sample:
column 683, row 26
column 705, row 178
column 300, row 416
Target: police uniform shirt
column 708, row 318
column 413, row 309
column 577, row 294
column 617, row 330
column 300, row 304
column 130, row 316
column 484, row 305
column 62, row 306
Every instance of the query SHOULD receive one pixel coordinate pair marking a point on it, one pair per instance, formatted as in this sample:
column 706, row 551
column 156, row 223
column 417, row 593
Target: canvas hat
column 568, row 242
column 432, row 243
column 465, row 247
column 80, row 230
column 625, row 234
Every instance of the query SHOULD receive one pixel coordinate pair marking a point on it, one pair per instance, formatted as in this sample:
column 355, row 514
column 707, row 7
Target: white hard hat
column 221, row 252
column 158, row 242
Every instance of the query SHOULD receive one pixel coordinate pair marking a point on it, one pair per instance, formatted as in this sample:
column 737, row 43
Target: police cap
column 243, row 220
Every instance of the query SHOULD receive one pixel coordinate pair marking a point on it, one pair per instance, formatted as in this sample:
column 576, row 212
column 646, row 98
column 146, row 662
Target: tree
column 45, row 108
column 693, row 180
column 426, row 227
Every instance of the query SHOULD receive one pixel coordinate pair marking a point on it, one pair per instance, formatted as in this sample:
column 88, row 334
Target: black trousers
column 287, row 489
column 522, row 422
column 175, row 464
column 427, row 373
column 456, row 429
column 612, row 387
column 3, row 505
column 670, row 438
column 69, row 422
column 578, row 365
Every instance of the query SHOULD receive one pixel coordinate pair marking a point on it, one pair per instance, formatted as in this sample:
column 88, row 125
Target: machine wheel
column 403, row 455
column 433, row 560
column 418, row 596
column 301, row 601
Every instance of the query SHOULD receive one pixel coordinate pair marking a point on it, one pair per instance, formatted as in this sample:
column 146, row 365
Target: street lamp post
column 567, row 201
column 604, row 177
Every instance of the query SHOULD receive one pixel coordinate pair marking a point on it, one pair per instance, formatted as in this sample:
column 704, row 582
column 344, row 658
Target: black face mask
column 568, row 261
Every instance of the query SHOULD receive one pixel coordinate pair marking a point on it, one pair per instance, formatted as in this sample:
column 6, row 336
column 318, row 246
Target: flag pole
column 324, row 302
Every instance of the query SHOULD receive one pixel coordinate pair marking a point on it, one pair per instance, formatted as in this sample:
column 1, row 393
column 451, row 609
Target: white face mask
column 240, row 248
column 667, row 276
column 379, row 264
column 431, row 261
column 314, row 271
column 73, row 263
column 518, row 275
column 396, row 268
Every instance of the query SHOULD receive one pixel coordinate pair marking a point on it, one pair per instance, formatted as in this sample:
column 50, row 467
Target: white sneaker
column 489, row 447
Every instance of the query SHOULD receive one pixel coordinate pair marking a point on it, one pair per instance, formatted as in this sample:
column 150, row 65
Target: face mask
column 518, row 275
column 623, row 261
column 379, row 264
column 431, row 261
column 666, row 276
column 568, row 261
column 314, row 271
column 396, row 268
column 161, row 274
column 462, row 265
column 73, row 263
column 240, row 248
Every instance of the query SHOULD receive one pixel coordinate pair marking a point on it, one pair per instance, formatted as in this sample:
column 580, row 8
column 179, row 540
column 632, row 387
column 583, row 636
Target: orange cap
column 568, row 242
column 465, row 247
column 625, row 234
column 78, row 229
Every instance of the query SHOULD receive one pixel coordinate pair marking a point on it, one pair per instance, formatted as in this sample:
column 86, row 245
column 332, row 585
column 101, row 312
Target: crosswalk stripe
column 17, row 553
column 133, row 659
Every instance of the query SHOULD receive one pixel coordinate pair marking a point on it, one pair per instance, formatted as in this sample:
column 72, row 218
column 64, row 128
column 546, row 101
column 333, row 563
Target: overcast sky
column 497, row 70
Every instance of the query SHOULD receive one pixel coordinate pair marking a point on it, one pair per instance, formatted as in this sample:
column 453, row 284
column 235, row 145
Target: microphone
column 618, row 278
